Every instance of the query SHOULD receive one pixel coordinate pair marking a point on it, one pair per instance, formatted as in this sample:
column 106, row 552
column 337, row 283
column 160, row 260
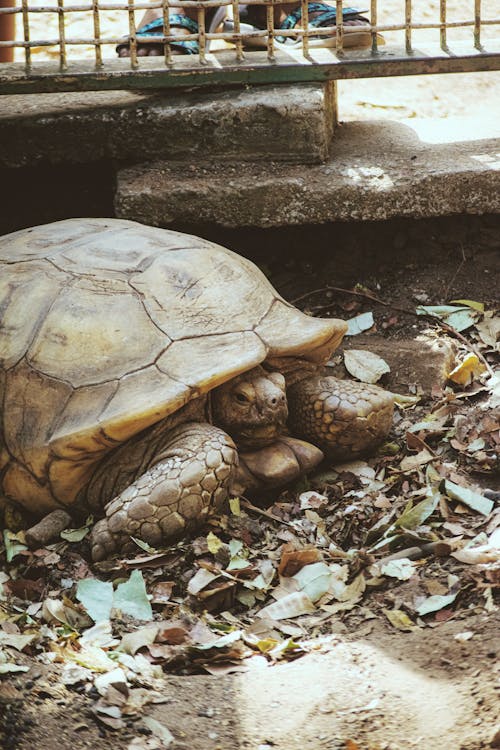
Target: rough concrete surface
column 376, row 170
column 417, row 365
column 294, row 123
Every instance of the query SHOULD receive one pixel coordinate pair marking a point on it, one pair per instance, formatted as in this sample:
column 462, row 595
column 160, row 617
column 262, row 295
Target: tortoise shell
column 108, row 326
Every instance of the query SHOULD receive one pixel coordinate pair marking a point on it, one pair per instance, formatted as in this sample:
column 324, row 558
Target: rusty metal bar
column 477, row 24
column 132, row 38
column 202, row 38
column 340, row 27
column 97, row 33
column 408, row 26
column 237, row 31
column 167, row 49
column 303, row 61
column 271, row 53
column 305, row 26
column 442, row 21
column 26, row 32
column 62, row 35
column 373, row 21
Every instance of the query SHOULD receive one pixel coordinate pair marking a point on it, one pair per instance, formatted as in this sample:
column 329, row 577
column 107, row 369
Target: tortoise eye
column 241, row 398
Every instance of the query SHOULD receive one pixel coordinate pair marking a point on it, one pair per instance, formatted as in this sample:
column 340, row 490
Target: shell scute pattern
column 126, row 325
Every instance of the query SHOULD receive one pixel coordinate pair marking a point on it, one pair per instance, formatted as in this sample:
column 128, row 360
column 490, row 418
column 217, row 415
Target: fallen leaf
column 365, row 366
column 459, row 318
column 234, row 506
column 412, row 517
column 402, row 569
column 479, row 306
column 14, row 544
column 359, row 323
column 434, row 603
column 292, row 560
column 214, row 543
column 131, row 598
column 314, row 580
column 399, row 619
column 200, row 580
column 16, row 640
column 292, row 605
column 75, row 535
column 411, row 463
column 473, row 500
column 132, row 642
column 467, row 370
column 97, row 597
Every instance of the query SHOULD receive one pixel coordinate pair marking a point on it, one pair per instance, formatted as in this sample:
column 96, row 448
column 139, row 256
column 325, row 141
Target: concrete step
column 290, row 123
column 376, row 170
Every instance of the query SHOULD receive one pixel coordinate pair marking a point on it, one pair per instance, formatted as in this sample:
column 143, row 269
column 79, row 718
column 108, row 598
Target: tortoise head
column 251, row 408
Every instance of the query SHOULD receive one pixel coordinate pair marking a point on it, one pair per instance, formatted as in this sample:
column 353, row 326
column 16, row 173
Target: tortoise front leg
column 174, row 496
column 274, row 466
column 344, row 418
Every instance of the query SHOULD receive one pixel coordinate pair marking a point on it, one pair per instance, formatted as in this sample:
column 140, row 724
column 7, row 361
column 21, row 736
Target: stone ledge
column 376, row 170
column 417, row 366
column 292, row 123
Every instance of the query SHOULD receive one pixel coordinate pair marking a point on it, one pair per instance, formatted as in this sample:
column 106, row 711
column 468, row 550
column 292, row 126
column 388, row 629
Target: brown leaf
column 293, row 560
column 172, row 633
column 162, row 591
column 25, row 588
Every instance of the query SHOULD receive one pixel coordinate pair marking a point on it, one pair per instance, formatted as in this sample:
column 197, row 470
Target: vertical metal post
column 167, row 49
column 408, row 27
column 97, row 33
column 132, row 43
column 26, row 31
column 442, row 21
column 373, row 21
column 477, row 24
column 202, row 36
column 63, row 63
column 237, row 30
column 270, row 30
column 305, row 25
column 340, row 27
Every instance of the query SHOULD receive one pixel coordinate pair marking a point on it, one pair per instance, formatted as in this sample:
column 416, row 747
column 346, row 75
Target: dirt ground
column 359, row 682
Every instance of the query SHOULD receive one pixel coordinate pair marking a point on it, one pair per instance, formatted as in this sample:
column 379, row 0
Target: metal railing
column 70, row 44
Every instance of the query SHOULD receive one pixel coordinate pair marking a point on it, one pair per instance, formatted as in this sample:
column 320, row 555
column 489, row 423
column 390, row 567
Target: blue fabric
column 327, row 17
column 155, row 28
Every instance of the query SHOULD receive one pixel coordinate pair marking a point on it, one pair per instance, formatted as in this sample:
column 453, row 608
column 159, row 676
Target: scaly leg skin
column 189, row 480
column 274, row 466
column 342, row 417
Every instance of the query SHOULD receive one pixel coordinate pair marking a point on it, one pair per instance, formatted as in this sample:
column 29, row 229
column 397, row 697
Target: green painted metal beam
column 222, row 69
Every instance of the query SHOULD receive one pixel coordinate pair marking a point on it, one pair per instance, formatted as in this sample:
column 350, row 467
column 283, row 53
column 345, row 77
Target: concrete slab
column 377, row 170
column 417, row 366
column 292, row 123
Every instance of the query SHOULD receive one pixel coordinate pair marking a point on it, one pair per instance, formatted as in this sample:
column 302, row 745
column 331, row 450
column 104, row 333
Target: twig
column 437, row 549
column 459, row 268
column 248, row 506
column 427, row 316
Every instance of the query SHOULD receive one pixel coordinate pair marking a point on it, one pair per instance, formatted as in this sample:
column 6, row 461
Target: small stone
column 48, row 529
column 208, row 712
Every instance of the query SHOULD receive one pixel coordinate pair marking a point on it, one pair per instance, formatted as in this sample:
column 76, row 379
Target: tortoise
column 147, row 375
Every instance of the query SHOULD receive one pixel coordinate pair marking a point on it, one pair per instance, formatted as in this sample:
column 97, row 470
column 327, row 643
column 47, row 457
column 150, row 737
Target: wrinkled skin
column 196, row 466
